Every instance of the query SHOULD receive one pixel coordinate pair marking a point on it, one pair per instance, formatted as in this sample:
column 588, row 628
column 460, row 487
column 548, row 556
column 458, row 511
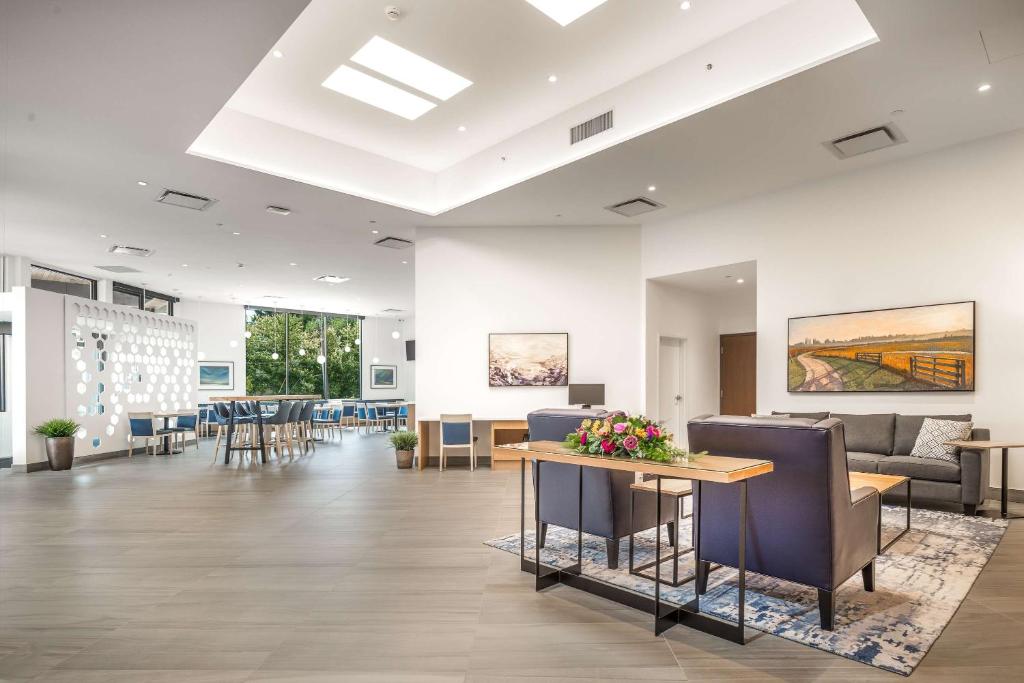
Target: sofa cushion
column 817, row 417
column 908, row 426
column 864, row 462
column 869, row 433
column 920, row 468
column 931, row 440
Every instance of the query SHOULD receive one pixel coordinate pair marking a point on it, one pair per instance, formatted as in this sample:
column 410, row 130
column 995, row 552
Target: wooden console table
column 503, row 431
column 1005, row 446
column 713, row 468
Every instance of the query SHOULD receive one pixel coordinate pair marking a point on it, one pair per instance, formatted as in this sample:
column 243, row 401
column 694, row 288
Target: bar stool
column 276, row 431
column 304, row 426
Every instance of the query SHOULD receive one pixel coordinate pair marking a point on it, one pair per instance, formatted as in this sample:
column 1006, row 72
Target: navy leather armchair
column 606, row 494
column 804, row 524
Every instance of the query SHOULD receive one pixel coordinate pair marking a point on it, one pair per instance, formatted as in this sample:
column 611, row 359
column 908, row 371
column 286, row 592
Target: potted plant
column 60, row 442
column 404, row 443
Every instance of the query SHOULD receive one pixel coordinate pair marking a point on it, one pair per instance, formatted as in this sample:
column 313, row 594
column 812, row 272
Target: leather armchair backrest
column 553, row 424
column 791, row 512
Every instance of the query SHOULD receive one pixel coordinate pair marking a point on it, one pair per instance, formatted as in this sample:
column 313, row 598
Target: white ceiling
column 718, row 280
column 97, row 96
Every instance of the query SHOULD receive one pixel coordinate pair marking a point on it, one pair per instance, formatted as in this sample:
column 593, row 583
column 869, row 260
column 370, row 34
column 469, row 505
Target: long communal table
column 706, row 468
column 262, row 447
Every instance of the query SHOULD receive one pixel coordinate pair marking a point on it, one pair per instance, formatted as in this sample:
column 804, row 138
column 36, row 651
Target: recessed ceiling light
column 462, row 129
column 552, row 78
column 377, row 93
column 236, row 233
column 184, row 265
column 405, row 263
column 739, row 281
column 375, row 232
column 651, row 188
column 984, row 87
column 103, row 236
column 685, row 5
column 277, row 54
column 332, row 279
column 293, row 264
column 565, row 11
column 141, row 183
column 407, row 67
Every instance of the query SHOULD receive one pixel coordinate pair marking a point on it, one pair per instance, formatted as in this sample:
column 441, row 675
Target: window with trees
column 299, row 352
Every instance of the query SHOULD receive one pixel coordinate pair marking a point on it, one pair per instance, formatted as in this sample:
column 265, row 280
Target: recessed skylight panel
column 377, row 93
column 409, row 68
column 565, row 11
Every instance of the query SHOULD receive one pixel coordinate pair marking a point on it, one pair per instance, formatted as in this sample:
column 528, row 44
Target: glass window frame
column 93, row 283
column 145, row 294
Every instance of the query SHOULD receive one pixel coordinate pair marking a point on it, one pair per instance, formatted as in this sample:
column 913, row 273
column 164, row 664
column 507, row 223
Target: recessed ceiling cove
column 450, row 104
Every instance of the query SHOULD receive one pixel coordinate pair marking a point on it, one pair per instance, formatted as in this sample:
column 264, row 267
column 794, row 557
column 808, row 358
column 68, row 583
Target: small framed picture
column 383, row 376
column 216, row 374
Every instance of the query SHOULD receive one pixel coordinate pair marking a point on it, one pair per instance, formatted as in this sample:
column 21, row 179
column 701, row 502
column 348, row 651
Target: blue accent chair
column 457, row 433
column 144, row 426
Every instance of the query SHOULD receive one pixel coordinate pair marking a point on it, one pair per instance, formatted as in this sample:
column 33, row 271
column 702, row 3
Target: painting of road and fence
column 921, row 348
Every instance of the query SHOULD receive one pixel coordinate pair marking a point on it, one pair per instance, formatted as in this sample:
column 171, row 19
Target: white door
column 670, row 386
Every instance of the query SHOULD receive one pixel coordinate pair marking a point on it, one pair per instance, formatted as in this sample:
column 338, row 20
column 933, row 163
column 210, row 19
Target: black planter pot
column 60, row 451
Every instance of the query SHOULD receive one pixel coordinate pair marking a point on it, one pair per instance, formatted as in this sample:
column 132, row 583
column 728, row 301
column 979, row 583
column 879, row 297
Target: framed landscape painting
column 532, row 359
column 383, row 376
column 919, row 348
column 215, row 374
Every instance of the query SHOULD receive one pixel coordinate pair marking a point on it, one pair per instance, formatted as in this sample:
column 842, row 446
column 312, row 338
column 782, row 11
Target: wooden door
column 738, row 374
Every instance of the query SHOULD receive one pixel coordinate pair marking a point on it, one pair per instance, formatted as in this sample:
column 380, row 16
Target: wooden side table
column 883, row 483
column 1005, row 446
column 678, row 490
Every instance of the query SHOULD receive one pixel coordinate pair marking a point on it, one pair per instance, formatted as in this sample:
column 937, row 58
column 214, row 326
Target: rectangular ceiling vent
column 393, row 243
column 185, row 200
column 392, row 310
column 119, row 269
column 865, row 141
column 635, row 207
column 589, row 129
column 130, row 251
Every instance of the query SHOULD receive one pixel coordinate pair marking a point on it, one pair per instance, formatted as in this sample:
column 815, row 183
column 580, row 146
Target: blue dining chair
column 144, row 426
column 403, row 417
column 183, row 424
column 457, row 432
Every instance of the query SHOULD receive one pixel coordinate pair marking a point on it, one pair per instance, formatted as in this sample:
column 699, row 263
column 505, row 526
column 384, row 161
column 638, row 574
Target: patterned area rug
column 919, row 585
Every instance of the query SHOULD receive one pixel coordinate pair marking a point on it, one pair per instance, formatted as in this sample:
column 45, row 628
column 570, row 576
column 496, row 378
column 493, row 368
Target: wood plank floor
column 337, row 566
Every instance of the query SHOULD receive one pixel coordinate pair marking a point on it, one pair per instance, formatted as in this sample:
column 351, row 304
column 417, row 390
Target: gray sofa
column 882, row 443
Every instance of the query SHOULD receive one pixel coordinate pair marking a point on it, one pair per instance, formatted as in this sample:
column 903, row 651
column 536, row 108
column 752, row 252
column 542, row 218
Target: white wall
column 698, row 319
column 947, row 226
column 377, row 342
column 218, row 326
column 473, row 281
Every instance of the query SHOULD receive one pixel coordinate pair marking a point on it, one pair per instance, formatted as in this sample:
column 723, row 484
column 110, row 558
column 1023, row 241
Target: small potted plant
column 404, row 443
column 60, row 442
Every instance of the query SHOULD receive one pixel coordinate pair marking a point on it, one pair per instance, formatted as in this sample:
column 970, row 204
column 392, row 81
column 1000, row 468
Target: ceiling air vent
column 392, row 310
column 393, row 243
column 279, row 210
column 588, row 129
column 185, row 200
column 866, row 141
column 118, row 269
column 130, row 251
column 635, row 207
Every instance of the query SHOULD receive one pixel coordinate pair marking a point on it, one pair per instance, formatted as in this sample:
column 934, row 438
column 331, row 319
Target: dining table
column 261, row 437
column 168, row 440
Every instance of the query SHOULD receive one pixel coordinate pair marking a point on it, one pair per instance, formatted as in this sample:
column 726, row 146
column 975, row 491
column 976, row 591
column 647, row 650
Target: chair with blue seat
column 348, row 414
column 144, row 426
column 277, row 431
column 402, row 419
column 328, row 421
column 457, row 432
column 183, row 424
column 373, row 418
column 222, row 414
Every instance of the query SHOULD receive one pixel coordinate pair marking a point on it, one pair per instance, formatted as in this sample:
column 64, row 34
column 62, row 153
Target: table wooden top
column 176, row 413
column 879, row 482
column 716, row 468
column 292, row 397
column 669, row 487
column 966, row 443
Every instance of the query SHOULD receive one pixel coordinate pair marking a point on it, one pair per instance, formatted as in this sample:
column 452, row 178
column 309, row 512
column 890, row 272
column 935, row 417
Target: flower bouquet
column 622, row 435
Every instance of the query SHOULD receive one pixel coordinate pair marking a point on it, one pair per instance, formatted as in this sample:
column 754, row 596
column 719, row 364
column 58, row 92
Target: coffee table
column 883, row 483
column 1005, row 446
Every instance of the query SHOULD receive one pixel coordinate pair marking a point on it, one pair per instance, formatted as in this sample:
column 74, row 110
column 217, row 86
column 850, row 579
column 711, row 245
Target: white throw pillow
column 933, row 435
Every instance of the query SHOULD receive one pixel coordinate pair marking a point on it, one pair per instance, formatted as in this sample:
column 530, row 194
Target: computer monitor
column 410, row 349
column 586, row 395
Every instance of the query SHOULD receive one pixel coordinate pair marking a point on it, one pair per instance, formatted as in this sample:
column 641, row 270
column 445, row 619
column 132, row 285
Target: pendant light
column 376, row 337
column 200, row 355
column 275, row 355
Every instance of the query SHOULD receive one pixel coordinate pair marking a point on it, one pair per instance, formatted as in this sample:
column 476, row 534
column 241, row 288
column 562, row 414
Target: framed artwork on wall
column 530, row 359
column 915, row 348
column 216, row 374
column 383, row 376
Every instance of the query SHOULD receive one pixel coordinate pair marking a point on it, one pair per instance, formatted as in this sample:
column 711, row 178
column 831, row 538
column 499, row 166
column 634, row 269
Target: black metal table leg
column 544, row 579
column 259, row 428
column 742, row 599
column 1004, row 494
column 522, row 514
column 902, row 533
column 231, row 433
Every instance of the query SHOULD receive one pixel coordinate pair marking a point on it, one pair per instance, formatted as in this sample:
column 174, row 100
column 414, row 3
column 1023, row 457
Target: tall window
column 62, row 283
column 301, row 340
column 143, row 299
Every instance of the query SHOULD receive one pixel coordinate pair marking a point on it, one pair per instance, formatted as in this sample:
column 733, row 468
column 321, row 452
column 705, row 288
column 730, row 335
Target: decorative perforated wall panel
column 120, row 361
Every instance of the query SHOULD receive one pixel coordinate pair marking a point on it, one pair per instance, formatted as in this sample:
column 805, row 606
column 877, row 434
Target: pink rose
column 620, row 427
column 630, row 443
column 583, row 438
column 607, row 446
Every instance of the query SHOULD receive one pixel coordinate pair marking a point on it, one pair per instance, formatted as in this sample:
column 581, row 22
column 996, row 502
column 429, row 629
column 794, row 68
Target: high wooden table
column 262, row 447
column 713, row 468
column 1005, row 446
